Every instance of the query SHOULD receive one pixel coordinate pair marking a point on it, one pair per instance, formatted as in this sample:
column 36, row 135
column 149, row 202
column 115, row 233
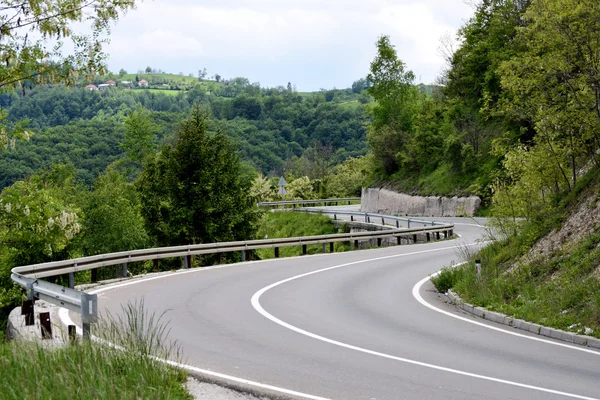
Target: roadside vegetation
column 95, row 370
column 528, row 275
column 543, row 265
column 292, row 224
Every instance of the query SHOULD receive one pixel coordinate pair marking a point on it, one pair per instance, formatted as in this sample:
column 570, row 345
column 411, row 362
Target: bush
column 446, row 278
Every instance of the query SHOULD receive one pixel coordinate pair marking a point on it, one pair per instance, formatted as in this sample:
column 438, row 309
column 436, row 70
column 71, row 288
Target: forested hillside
column 525, row 84
column 269, row 126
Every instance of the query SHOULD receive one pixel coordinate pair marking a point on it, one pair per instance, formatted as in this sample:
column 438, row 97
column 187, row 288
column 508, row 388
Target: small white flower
column 26, row 211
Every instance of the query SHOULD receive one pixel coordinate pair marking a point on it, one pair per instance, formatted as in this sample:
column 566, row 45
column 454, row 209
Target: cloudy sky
column 313, row 44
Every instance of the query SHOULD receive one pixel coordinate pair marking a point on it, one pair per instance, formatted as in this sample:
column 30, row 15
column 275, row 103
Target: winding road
column 356, row 325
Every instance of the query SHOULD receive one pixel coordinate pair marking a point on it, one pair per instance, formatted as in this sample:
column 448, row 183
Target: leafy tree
column 300, row 189
column 359, row 85
column 348, row 178
column 201, row 74
column 27, row 60
column 261, row 189
column 217, row 77
column 40, row 218
column 554, row 81
column 192, row 192
column 148, row 70
column 140, row 135
column 394, row 93
column 113, row 220
column 122, row 72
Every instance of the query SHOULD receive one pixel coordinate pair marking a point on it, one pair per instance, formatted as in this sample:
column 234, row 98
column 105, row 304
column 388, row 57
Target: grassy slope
column 292, row 224
column 562, row 291
column 85, row 372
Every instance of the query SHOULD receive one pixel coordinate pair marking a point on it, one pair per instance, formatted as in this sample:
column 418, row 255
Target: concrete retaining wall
column 385, row 201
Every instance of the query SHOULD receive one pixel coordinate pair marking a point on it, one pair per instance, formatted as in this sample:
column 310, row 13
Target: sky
column 314, row 44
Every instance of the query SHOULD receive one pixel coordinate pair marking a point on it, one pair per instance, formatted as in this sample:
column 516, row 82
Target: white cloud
column 312, row 43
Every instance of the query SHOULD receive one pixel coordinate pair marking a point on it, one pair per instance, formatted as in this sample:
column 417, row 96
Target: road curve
column 347, row 326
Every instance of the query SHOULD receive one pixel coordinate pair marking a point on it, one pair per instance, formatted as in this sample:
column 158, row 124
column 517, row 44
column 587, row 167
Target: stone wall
column 385, row 201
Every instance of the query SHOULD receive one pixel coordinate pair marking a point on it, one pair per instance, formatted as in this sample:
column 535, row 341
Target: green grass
column 97, row 371
column 561, row 291
column 165, row 91
column 291, row 224
column 153, row 77
column 85, row 371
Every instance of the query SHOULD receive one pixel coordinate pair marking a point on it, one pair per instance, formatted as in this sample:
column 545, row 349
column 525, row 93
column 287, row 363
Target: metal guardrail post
column 303, row 249
column 89, row 312
column 331, row 247
column 428, row 237
column 324, row 247
column 45, row 325
column 415, row 238
column 94, row 275
column 243, row 255
column 71, row 280
column 398, row 224
column 155, row 266
column 408, row 224
column 124, row 273
column 276, row 252
column 27, row 311
column 219, row 258
column 72, row 333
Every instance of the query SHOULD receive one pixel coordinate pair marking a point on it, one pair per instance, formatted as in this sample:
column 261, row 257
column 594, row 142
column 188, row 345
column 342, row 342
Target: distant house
column 143, row 83
column 91, row 87
column 126, row 84
column 110, row 82
column 103, row 86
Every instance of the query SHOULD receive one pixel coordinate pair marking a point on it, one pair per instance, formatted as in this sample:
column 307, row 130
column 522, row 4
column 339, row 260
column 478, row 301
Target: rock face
column 388, row 202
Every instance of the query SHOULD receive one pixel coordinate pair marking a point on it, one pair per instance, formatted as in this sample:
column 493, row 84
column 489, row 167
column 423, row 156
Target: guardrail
column 367, row 216
column 304, row 202
column 29, row 276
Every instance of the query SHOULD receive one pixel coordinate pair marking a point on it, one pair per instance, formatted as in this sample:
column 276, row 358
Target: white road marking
column 66, row 320
column 255, row 301
column 417, row 296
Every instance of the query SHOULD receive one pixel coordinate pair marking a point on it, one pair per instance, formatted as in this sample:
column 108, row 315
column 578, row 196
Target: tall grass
column 97, row 370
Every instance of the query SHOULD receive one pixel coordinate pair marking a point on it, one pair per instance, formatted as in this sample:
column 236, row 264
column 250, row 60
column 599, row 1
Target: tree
column 201, row 74
column 113, row 221
column 554, row 83
column 359, row 86
column 148, row 70
column 140, row 135
column 217, row 78
column 40, row 219
column 193, row 192
column 122, row 72
column 394, row 93
column 26, row 58
column 32, row 34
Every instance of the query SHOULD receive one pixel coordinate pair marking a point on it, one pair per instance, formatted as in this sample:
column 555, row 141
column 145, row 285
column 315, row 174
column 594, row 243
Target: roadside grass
column 95, row 370
column 561, row 291
column 291, row 224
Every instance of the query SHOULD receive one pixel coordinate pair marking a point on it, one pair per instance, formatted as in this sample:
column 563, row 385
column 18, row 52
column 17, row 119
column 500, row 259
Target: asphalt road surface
column 347, row 326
